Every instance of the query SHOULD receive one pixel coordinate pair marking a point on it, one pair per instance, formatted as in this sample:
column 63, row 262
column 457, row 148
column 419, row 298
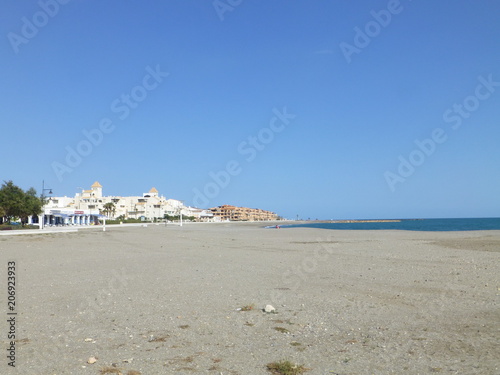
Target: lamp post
column 43, row 202
column 180, row 211
column 79, row 195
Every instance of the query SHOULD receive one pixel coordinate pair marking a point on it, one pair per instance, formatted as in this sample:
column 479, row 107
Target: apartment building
column 232, row 213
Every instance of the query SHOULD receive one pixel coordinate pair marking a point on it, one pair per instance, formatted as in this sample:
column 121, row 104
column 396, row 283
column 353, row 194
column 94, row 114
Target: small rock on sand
column 269, row 309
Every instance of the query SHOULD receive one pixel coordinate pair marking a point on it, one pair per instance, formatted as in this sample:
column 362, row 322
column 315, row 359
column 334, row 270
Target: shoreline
column 236, row 224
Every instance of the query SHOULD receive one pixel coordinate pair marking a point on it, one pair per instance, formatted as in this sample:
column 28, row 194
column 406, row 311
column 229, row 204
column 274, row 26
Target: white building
column 57, row 217
column 92, row 203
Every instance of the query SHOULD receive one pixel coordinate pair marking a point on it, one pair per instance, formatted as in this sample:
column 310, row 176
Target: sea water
column 431, row 225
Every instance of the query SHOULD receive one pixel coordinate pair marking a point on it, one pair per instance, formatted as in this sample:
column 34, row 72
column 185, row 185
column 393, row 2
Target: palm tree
column 109, row 208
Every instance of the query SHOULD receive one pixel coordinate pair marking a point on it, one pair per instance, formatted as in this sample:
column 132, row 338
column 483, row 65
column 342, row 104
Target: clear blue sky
column 357, row 113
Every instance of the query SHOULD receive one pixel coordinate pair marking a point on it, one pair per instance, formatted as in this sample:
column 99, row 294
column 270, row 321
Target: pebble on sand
column 269, row 309
column 92, row 360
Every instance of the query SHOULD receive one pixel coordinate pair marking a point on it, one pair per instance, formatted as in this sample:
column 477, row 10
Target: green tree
column 16, row 203
column 11, row 200
column 32, row 205
column 2, row 215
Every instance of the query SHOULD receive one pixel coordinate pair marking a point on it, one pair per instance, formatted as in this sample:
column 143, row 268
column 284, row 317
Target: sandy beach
column 170, row 300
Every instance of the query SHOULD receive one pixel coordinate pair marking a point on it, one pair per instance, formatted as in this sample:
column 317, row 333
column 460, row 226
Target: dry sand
column 164, row 300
